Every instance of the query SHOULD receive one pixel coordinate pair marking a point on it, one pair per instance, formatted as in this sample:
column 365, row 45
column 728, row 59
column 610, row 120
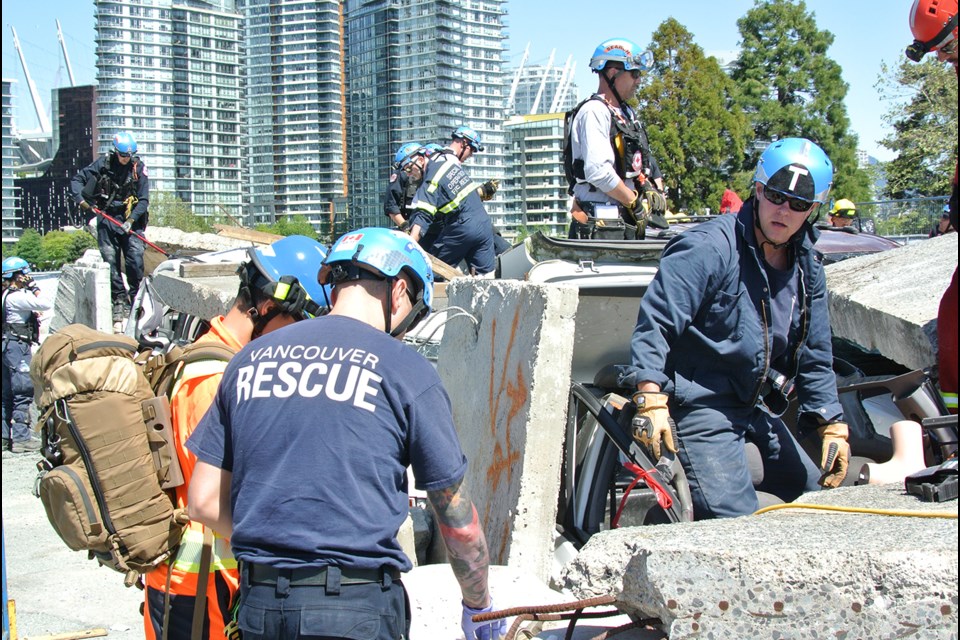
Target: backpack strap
column 200, row 604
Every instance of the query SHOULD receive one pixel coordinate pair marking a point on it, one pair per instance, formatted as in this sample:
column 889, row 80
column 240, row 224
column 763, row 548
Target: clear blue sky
column 866, row 34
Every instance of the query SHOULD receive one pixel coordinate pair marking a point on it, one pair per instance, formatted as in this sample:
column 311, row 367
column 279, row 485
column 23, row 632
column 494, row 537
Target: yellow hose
column 880, row 512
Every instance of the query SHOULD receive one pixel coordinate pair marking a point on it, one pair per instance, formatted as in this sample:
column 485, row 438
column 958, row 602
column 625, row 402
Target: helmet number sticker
column 797, row 171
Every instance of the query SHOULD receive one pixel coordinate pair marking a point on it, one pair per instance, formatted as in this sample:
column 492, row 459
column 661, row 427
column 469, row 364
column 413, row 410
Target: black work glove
column 487, row 189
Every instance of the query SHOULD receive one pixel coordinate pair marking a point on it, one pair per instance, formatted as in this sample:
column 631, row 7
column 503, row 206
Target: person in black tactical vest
column 117, row 184
column 21, row 306
column 613, row 174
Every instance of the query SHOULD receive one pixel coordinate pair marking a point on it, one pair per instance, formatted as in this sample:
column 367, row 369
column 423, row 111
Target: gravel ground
column 56, row 590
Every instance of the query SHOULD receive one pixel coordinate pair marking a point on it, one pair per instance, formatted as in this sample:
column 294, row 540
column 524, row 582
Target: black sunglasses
column 123, row 155
column 796, row 204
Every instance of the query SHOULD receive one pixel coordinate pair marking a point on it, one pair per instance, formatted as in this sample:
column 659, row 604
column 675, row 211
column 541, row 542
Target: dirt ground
column 56, row 590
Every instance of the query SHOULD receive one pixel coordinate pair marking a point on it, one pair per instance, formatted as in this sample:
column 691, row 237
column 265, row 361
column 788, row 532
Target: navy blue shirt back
column 317, row 423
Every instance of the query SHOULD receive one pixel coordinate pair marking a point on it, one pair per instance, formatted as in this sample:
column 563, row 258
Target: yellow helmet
column 843, row 208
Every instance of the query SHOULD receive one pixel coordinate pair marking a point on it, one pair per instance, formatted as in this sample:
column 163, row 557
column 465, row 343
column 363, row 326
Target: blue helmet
column 406, row 153
column 287, row 271
column 472, row 138
column 432, row 148
column 621, row 50
column 124, row 143
column 384, row 253
column 14, row 264
column 796, row 167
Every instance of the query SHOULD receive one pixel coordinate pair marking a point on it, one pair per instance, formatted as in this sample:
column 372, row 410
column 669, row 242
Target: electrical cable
column 906, row 513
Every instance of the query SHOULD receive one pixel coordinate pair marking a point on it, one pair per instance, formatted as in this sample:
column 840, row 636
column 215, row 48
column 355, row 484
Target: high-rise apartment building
column 295, row 111
column 170, row 73
column 416, row 70
column 536, row 185
column 11, row 198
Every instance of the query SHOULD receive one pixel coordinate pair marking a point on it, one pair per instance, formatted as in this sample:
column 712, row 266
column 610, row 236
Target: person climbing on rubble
column 449, row 198
column 278, row 286
column 934, row 27
column 610, row 161
column 21, row 306
column 735, row 317
column 303, row 458
column 117, row 184
column 400, row 187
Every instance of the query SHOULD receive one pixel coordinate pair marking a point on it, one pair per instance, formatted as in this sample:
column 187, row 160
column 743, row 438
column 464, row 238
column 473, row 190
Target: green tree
column 57, row 249
column 697, row 131
column 80, row 241
column 29, row 247
column 789, row 87
column 924, row 122
column 167, row 210
column 290, row 226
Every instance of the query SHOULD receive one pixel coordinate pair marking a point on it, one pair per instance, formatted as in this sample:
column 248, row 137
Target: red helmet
column 933, row 23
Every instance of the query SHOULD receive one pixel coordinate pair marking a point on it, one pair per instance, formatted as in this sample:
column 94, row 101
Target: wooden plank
column 444, row 270
column 239, row 233
column 208, row 269
column 72, row 635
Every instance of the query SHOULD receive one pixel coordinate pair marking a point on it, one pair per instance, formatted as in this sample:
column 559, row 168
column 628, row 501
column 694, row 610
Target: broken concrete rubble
column 893, row 293
column 786, row 574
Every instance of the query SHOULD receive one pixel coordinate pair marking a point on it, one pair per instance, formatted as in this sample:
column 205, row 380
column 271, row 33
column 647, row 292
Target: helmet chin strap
column 766, row 239
column 611, row 83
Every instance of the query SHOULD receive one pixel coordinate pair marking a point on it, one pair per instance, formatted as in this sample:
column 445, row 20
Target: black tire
column 594, row 480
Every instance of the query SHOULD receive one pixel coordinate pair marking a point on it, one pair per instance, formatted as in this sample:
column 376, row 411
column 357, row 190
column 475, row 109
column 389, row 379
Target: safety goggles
column 124, row 155
column 796, row 204
column 643, row 62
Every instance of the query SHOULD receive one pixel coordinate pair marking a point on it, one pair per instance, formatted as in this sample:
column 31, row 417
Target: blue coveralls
column 105, row 179
column 703, row 335
column 448, row 195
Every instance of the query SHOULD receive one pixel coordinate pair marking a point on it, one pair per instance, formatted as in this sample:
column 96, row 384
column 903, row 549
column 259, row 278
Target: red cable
column 663, row 498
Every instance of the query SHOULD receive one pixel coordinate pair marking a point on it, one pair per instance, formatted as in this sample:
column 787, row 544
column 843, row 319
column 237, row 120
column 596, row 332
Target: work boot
column 25, row 446
column 121, row 310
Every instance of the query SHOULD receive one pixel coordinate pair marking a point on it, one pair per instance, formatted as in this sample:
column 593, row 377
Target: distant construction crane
column 37, row 103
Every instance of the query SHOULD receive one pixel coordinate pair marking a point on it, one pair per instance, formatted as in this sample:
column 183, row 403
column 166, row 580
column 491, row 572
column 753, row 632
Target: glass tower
column 416, row 70
column 169, row 72
column 295, row 113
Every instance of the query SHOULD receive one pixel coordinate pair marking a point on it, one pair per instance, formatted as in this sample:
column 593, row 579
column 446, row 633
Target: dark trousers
column 711, row 450
column 124, row 253
column 180, row 623
column 17, row 389
column 470, row 239
column 285, row 610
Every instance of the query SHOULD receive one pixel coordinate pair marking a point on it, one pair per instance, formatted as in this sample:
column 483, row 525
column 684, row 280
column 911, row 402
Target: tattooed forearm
column 465, row 542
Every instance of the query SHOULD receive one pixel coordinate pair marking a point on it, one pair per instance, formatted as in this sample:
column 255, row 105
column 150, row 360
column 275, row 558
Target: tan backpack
column 109, row 458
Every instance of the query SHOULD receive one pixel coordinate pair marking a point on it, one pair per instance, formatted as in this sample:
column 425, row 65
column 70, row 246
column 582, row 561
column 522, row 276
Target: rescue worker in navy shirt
column 303, row 455
column 400, row 189
column 117, row 184
column 449, row 197
column 736, row 315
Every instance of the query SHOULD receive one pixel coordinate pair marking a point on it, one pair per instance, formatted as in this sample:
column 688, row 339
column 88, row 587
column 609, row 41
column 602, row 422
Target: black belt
column 317, row 576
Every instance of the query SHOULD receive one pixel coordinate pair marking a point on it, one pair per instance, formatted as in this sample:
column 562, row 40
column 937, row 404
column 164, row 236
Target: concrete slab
column 787, row 574
column 507, row 376
column 888, row 301
column 83, row 294
column 203, row 297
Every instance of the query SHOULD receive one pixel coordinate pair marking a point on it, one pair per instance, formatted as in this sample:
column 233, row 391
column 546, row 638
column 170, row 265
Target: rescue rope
column 459, row 312
column 906, row 513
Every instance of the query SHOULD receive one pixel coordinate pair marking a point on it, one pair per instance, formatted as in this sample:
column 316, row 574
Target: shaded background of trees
column 707, row 129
